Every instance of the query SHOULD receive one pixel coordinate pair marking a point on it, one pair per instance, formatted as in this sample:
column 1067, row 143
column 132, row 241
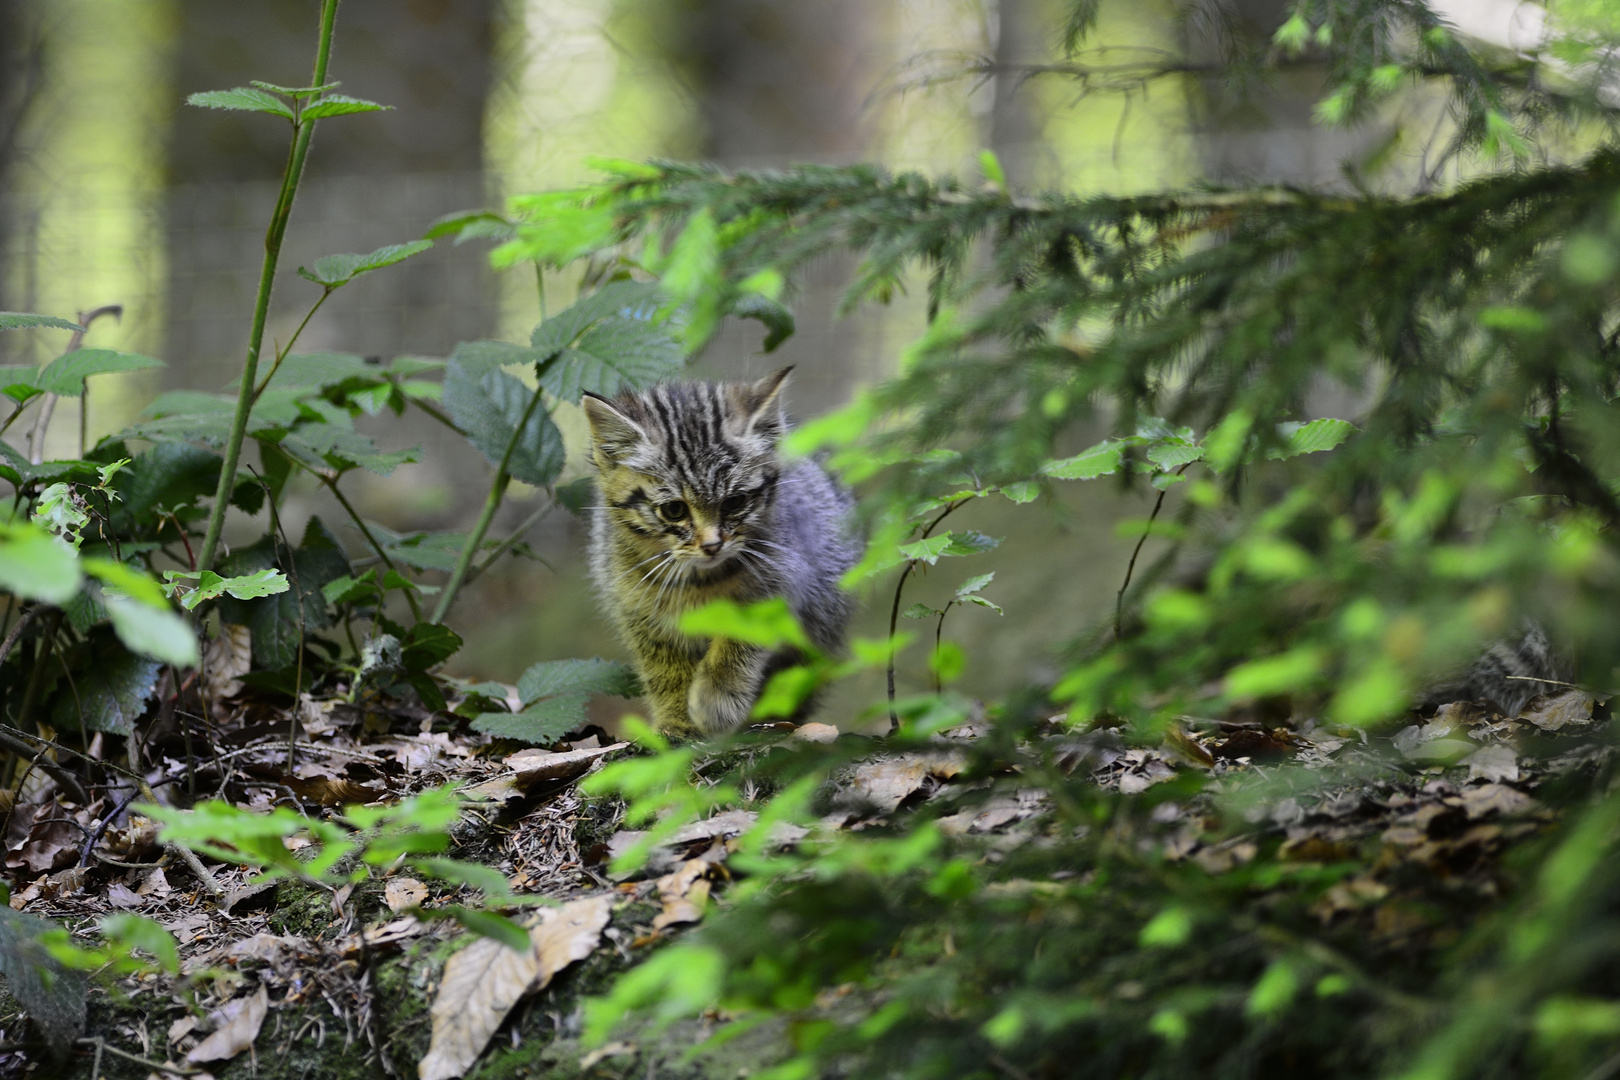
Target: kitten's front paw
column 715, row 709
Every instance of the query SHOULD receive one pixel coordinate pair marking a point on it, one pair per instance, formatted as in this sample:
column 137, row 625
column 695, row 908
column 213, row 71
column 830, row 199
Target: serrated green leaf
column 22, row 320
column 1022, row 492
column 489, row 407
column 117, row 578
column 541, row 723
column 467, row 225
column 982, row 602
column 1173, row 455
column 1100, row 460
column 1165, row 481
column 607, row 343
column 576, row 677
column 340, row 105
column 919, row 611
column 335, row 270
column 347, row 589
column 974, row 584
column 66, row 374
column 1311, row 438
column 293, row 91
column 928, row 549
column 275, row 620
column 428, row 644
column 110, row 693
column 241, row 99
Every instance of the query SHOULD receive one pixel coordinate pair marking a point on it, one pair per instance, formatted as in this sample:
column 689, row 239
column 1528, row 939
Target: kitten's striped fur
column 695, row 505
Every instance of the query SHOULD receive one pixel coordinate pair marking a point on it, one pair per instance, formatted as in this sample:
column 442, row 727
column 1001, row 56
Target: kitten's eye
column 672, row 511
column 734, row 505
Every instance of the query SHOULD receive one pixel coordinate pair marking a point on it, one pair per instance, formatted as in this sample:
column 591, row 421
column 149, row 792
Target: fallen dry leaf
column 1574, row 707
column 120, row 895
column 887, row 784
column 484, row 980
column 236, row 1025
column 535, row 766
column 684, row 894
column 225, row 660
column 1494, row 762
column 1500, row 798
column 402, row 893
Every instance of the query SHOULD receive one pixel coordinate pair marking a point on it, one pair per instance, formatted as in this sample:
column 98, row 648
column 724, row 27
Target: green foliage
column 554, row 695
column 52, row 992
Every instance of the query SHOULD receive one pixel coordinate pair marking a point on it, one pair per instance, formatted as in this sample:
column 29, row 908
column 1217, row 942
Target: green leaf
column 1173, row 455
column 928, row 549
column 170, row 475
column 488, row 408
column 1323, row 434
column 428, row 644
column 1022, row 492
column 21, row 320
column 293, row 91
column 53, row 994
column 982, row 602
column 66, row 374
column 121, row 580
column 541, row 723
column 769, row 624
column 607, row 343
column 323, row 370
column 491, row 925
column 346, row 589
column 154, row 632
column 241, row 99
column 275, row 620
column 919, row 611
column 110, row 693
column 770, row 313
column 467, row 225
column 487, row 879
column 558, row 228
column 576, row 677
column 974, row 584
column 335, row 270
column 34, row 565
column 136, row 932
column 691, row 275
column 970, row 543
column 1100, row 460
column 340, row 105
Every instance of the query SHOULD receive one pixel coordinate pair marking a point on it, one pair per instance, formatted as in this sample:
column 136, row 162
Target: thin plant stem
column 303, row 131
column 36, row 438
column 1119, row 600
column 354, row 516
column 894, row 612
column 497, row 491
column 432, row 410
column 506, row 545
column 298, row 667
column 16, row 632
column 281, row 353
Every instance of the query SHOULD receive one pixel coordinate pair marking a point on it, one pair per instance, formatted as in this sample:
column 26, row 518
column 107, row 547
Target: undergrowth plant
column 1320, row 569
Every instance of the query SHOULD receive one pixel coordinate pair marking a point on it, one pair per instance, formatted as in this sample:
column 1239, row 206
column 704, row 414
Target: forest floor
column 291, row 980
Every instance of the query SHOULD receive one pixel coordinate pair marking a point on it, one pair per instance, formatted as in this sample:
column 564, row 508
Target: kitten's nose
column 712, row 547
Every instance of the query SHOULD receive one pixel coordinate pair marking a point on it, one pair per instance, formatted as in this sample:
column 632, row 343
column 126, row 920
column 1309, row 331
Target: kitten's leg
column 726, row 685
column 666, row 675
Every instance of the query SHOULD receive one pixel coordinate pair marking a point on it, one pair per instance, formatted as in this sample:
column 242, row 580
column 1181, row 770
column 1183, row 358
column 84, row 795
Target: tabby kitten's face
column 688, row 471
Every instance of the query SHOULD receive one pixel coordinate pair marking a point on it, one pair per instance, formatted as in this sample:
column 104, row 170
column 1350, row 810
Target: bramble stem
column 303, row 131
column 497, row 491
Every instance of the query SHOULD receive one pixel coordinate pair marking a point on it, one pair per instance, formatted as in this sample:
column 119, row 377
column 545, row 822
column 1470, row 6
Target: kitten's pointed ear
column 613, row 434
column 762, row 403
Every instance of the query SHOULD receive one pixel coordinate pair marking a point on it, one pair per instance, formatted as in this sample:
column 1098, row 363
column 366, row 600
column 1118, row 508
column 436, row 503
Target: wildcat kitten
column 696, row 506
